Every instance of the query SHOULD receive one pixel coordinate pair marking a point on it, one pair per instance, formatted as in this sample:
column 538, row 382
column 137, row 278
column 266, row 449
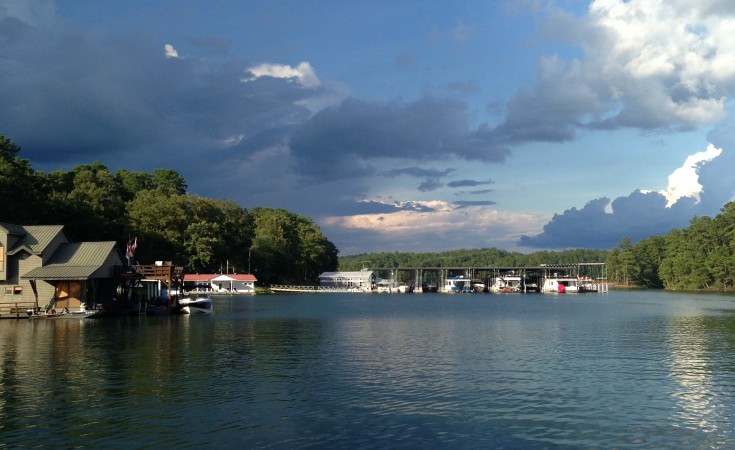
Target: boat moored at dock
column 197, row 304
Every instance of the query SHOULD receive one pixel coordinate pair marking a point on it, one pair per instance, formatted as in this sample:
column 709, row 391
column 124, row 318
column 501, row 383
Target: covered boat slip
column 74, row 279
column 580, row 277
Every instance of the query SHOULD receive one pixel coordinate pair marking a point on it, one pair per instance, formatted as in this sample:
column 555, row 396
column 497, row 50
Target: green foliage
column 289, row 247
column 488, row 257
column 21, row 189
column 699, row 257
column 169, row 180
column 203, row 234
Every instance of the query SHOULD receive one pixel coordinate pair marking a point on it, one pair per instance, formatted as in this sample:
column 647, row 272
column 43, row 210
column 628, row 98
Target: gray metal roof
column 12, row 228
column 36, row 237
column 75, row 261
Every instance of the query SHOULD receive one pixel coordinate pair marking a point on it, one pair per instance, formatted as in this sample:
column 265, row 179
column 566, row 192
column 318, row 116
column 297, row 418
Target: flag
column 130, row 250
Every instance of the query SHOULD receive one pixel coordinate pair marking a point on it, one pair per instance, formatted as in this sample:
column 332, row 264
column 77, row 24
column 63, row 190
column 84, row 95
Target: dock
column 546, row 278
column 315, row 289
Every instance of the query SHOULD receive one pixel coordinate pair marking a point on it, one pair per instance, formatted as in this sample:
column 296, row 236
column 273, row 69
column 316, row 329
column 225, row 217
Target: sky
column 407, row 126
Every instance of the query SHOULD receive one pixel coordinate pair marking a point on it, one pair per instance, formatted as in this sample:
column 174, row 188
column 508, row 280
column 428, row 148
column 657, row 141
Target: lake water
column 639, row 369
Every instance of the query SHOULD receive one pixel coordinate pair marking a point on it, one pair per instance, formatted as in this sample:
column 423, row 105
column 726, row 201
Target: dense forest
column 490, row 257
column 202, row 234
column 699, row 257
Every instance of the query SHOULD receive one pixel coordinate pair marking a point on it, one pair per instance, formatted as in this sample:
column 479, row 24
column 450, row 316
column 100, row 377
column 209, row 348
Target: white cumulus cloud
column 303, row 73
column 170, row 51
column 671, row 59
column 684, row 181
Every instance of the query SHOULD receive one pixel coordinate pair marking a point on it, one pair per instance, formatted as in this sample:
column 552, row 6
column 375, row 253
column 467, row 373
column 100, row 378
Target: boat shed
column 41, row 268
column 220, row 283
column 234, row 283
column 363, row 280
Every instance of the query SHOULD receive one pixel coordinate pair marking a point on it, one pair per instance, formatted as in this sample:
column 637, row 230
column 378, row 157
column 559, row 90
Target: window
column 13, row 290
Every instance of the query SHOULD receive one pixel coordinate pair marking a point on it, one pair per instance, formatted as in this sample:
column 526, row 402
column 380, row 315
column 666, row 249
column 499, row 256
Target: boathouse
column 363, row 280
column 220, row 283
column 41, row 268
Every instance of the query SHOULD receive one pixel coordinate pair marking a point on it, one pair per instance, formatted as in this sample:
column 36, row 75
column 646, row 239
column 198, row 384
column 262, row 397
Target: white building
column 363, row 280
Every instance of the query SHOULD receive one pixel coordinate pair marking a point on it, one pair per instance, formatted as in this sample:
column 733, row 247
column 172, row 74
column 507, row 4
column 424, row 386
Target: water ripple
column 622, row 371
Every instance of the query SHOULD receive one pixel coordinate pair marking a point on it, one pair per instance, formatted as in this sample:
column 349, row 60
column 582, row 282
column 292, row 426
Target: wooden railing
column 15, row 310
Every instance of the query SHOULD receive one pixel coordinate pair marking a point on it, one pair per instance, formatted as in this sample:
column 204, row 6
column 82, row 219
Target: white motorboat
column 507, row 283
column 199, row 304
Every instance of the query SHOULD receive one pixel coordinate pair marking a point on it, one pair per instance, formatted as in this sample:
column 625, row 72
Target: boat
column 430, row 287
column 65, row 313
column 561, row 285
column 198, row 304
column 507, row 283
column 459, row 284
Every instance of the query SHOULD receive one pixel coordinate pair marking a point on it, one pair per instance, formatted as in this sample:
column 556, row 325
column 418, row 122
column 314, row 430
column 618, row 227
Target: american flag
column 132, row 245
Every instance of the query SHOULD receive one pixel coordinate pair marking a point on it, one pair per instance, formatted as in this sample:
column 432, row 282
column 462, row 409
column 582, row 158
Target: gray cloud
column 640, row 216
column 417, row 172
column 72, row 95
column 338, row 141
column 637, row 216
column 431, row 184
column 653, row 82
column 467, row 203
column 469, row 183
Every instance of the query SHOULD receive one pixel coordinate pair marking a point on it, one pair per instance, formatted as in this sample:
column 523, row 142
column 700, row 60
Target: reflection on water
column 623, row 370
column 703, row 395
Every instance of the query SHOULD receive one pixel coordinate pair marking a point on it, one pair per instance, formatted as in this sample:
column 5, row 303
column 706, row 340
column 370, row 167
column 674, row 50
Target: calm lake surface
column 641, row 369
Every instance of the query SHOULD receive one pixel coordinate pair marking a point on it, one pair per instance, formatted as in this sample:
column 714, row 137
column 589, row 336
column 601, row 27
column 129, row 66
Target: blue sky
column 397, row 126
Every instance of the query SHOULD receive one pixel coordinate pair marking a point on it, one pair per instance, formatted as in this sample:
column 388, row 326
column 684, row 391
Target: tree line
column 699, row 257
column 487, row 257
column 202, row 234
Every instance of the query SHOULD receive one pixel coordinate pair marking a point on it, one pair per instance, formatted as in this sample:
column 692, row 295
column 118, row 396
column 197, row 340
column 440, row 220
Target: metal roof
column 192, row 277
column 234, row 277
column 35, row 238
column 199, row 276
column 12, row 228
column 74, row 261
column 355, row 274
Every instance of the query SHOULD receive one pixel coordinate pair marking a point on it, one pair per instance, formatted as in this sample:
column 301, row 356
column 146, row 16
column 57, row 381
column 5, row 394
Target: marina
column 546, row 278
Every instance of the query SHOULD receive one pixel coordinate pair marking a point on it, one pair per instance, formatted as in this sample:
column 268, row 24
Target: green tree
column 133, row 182
column 648, row 255
column 95, row 187
column 169, row 180
column 159, row 219
column 22, row 190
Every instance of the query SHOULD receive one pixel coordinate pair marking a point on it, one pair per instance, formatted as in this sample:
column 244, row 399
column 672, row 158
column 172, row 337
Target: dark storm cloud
column 337, row 139
column 637, row 217
column 640, row 216
column 76, row 95
column 468, row 183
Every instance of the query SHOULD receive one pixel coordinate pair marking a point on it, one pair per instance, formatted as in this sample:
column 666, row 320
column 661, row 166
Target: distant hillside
column 469, row 258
